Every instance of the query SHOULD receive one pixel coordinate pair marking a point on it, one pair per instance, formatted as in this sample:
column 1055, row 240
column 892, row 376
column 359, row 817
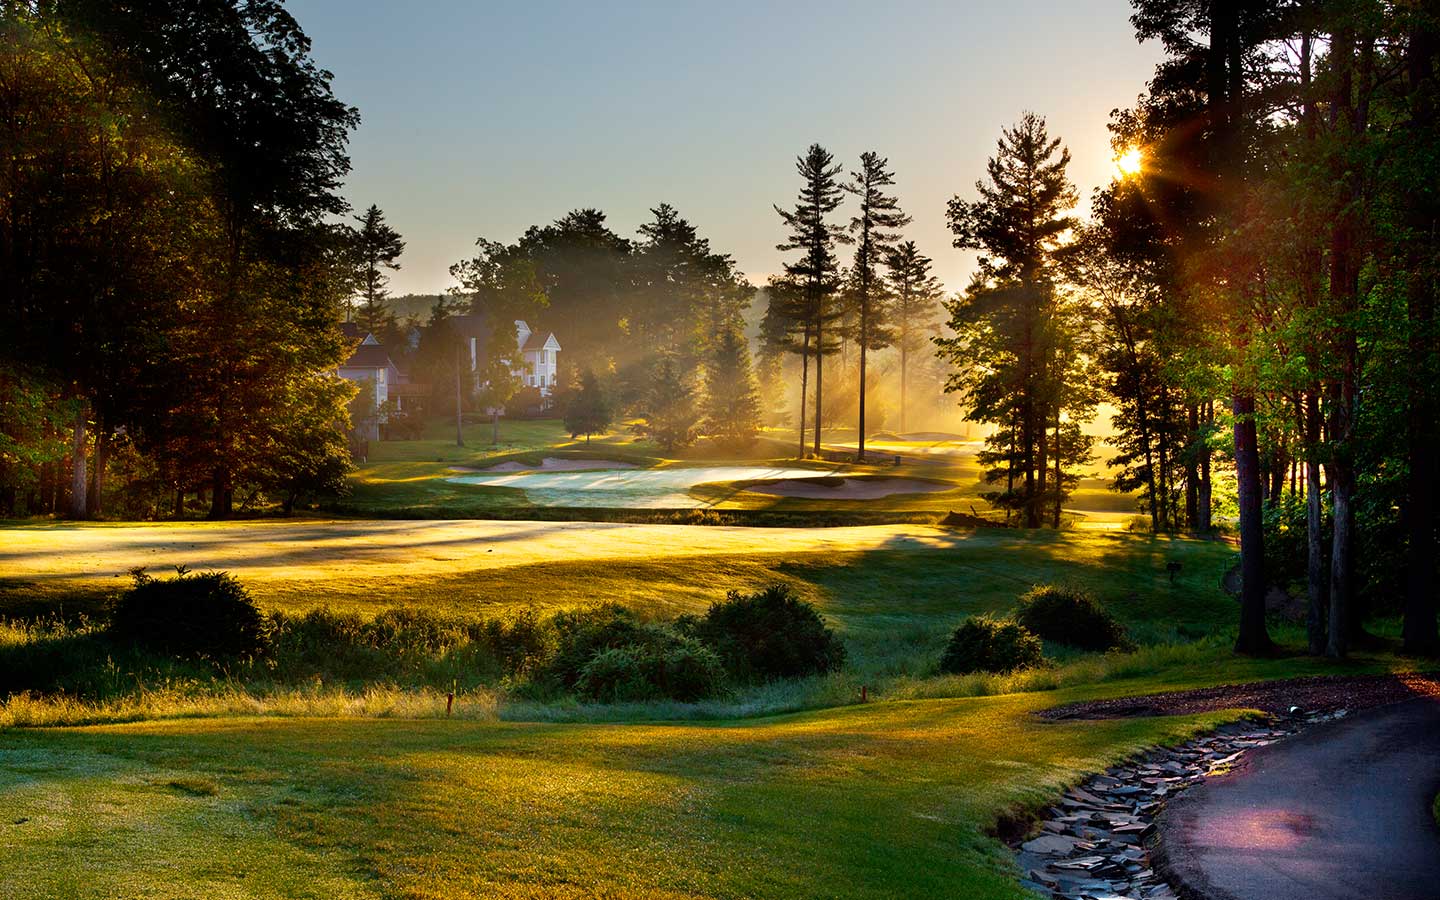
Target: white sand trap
column 617, row 487
column 848, row 488
column 550, row 464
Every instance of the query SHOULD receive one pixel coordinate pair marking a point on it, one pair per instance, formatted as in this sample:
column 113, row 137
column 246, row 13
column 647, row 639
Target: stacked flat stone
column 1096, row 843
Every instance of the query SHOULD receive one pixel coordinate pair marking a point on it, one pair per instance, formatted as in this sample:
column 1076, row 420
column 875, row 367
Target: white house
column 371, row 362
column 538, row 350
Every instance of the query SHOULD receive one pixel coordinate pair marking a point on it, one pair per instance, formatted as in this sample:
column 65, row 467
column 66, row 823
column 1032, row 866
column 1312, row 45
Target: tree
column 504, row 287
column 1012, row 329
column 816, row 271
column 732, row 405
column 669, row 413
column 874, row 230
column 915, row 309
column 377, row 247
column 588, row 411
column 683, row 293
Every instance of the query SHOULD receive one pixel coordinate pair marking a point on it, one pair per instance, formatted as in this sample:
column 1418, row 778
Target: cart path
column 1342, row 812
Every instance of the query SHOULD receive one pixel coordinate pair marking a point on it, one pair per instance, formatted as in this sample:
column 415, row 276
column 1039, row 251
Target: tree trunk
column 904, row 377
column 1059, row 471
column 220, row 493
column 804, row 386
column 1419, row 629
column 459, row 415
column 864, row 339
column 179, row 503
column 1206, row 508
column 819, row 376
column 78, row 482
column 495, row 426
column 1315, row 586
column 1253, row 638
column 1192, row 469
column 96, row 499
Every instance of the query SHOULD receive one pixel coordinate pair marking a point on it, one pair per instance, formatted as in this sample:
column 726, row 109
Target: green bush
column 206, row 616
column 766, row 635
column 680, row 670
column 581, row 634
column 521, row 644
column 983, row 644
column 1070, row 616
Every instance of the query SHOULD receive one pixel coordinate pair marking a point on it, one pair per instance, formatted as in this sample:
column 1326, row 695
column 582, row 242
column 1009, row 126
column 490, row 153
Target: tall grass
column 406, row 663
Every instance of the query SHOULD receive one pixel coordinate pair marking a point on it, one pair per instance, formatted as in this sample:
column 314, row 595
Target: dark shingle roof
column 369, row 357
column 536, row 341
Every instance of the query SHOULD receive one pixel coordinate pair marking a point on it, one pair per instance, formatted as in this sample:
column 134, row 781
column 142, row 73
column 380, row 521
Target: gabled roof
column 369, row 356
column 539, row 341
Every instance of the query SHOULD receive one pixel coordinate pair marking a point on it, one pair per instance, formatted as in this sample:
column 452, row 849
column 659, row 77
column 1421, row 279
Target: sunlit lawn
column 415, row 478
column 872, row 578
column 887, row 799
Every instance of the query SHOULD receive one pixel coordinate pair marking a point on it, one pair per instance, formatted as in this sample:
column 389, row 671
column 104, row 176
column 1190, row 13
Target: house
column 371, row 362
column 538, row 351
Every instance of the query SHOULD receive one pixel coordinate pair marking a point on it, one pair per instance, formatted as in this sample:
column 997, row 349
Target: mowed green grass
column 412, row 478
column 883, row 586
column 891, row 798
column 887, row 799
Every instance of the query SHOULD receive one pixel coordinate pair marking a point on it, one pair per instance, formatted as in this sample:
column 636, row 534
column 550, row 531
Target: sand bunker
column 550, row 464
column 848, row 488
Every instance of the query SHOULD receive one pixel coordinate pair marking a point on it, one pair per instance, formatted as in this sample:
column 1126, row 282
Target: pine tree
column 874, row 232
column 915, row 309
column 669, row 414
column 816, row 272
column 376, row 247
column 588, row 411
column 1012, row 314
column 732, row 404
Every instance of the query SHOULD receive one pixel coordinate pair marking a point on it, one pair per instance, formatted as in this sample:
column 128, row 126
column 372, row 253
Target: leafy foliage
column 208, row 616
column 1071, row 616
column 768, row 634
column 983, row 644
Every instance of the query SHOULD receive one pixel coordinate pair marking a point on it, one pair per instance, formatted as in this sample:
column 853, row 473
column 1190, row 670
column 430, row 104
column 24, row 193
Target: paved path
column 1339, row 813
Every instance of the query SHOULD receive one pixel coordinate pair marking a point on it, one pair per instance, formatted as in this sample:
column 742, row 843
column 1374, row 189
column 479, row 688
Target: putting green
column 630, row 488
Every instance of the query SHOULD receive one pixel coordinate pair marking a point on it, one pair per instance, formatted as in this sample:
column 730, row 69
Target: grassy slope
column 887, row 799
column 882, row 800
column 876, row 582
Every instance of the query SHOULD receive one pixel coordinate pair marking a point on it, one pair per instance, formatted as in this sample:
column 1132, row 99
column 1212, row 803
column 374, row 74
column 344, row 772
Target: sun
column 1130, row 162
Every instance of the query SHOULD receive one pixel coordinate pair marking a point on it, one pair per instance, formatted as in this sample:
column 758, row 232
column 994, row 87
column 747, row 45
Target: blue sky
column 482, row 118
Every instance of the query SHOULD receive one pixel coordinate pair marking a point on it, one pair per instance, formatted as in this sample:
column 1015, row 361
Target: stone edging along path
column 1095, row 842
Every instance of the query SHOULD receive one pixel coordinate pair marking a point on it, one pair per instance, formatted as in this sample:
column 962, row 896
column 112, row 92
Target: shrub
column 691, row 671
column 769, row 634
column 983, row 644
column 1069, row 615
column 206, row 616
column 617, row 674
column 521, row 644
column 680, row 670
column 581, row 634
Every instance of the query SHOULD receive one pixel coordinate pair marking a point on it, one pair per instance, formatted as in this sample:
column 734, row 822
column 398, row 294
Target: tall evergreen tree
column 875, row 232
column 816, row 272
column 669, row 413
column 377, row 247
column 1012, row 314
column 732, row 405
column 915, row 310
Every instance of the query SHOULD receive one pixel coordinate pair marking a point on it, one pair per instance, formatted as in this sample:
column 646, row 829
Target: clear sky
column 481, row 118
